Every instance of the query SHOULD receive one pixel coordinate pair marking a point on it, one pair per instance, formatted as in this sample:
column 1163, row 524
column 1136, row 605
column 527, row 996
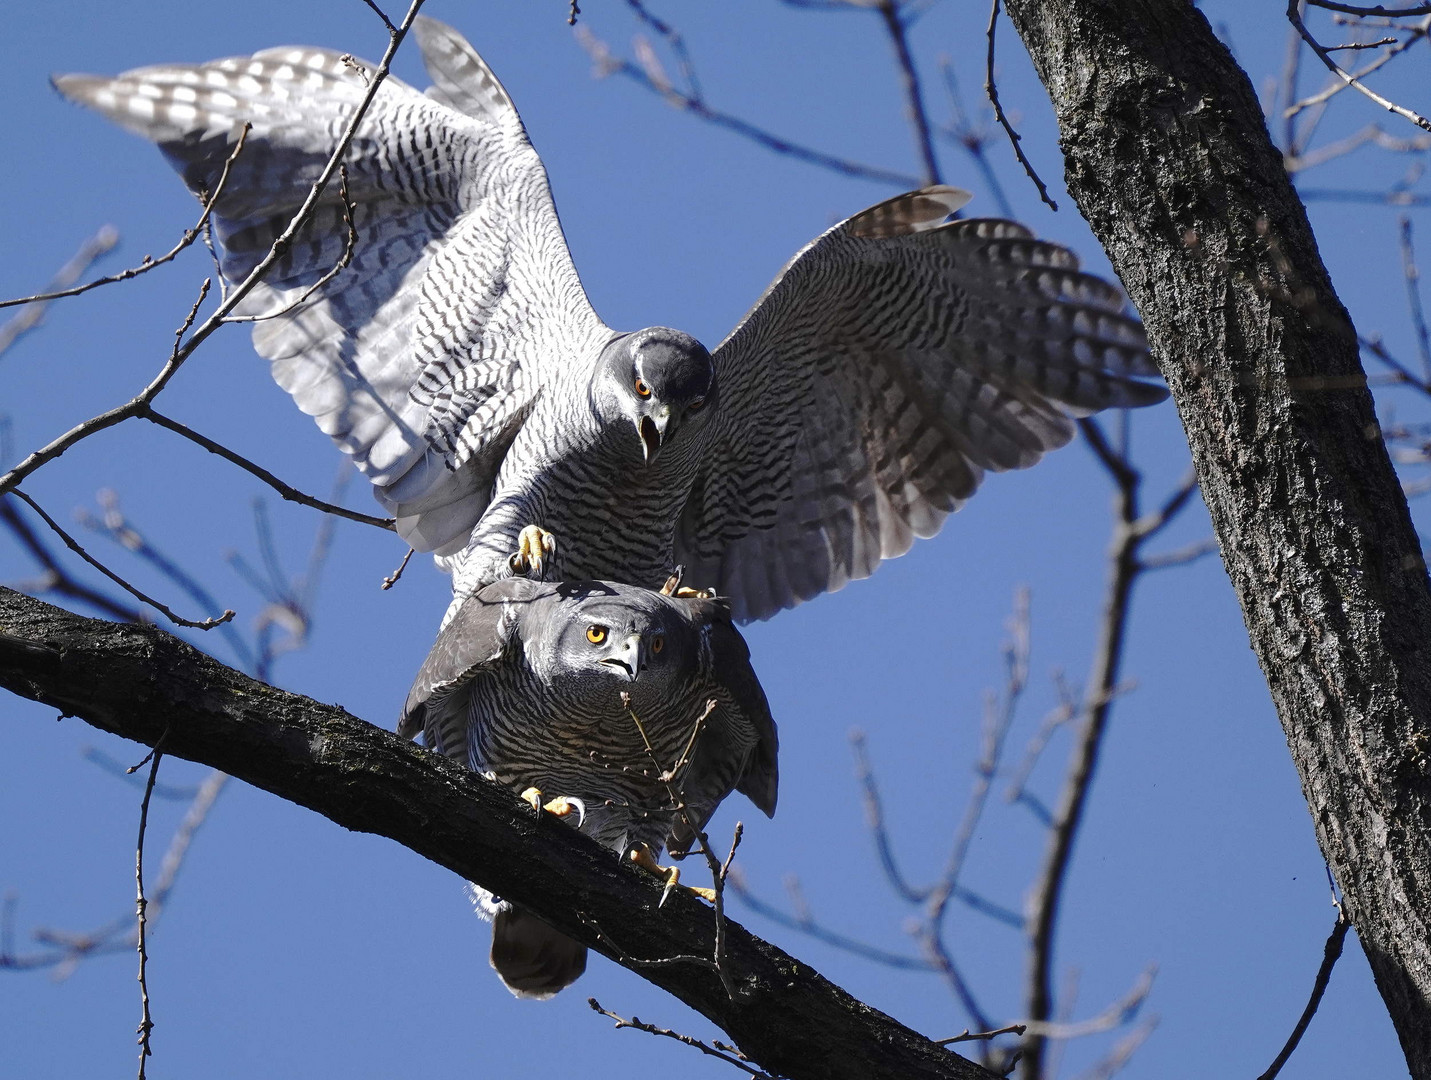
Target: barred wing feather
column 892, row 362
column 422, row 357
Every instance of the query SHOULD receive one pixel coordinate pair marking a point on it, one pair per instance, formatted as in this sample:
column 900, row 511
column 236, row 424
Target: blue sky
column 294, row 948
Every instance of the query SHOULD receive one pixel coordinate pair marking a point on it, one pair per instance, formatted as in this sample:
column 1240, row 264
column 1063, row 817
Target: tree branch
column 138, row 682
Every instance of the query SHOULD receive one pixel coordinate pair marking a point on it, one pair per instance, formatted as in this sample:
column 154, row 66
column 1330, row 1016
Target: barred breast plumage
column 891, row 363
column 592, row 691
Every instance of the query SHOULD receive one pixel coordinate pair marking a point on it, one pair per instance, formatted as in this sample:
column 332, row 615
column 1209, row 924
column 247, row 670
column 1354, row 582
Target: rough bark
column 144, row 684
column 1168, row 157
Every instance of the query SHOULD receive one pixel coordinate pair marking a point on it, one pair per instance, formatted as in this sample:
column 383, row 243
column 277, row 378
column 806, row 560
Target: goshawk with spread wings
column 456, row 359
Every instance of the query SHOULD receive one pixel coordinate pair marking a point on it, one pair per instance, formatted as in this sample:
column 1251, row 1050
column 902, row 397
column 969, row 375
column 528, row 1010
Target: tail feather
column 532, row 959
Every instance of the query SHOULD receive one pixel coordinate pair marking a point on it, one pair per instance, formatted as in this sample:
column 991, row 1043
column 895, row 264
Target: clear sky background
column 294, row 948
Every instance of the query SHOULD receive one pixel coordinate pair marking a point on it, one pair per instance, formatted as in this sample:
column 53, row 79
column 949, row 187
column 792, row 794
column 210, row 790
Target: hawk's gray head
column 599, row 643
column 660, row 380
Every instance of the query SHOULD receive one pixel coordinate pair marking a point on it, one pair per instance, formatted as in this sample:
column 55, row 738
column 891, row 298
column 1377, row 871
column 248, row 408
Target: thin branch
column 806, row 925
column 381, row 14
column 56, row 579
column 286, row 491
column 1121, row 1053
column 73, row 545
column 1372, row 9
column 1412, row 274
column 636, row 1024
column 608, row 64
column 1015, row 138
column 190, row 235
column 970, row 1036
column 146, row 1021
column 1116, row 1015
column 1129, row 531
column 1330, row 952
column 29, row 316
column 874, row 818
column 892, row 14
column 974, row 141
column 393, row 578
column 1294, row 16
column 1398, row 46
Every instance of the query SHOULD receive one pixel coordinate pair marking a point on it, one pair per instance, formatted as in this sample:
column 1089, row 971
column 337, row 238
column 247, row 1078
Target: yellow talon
column 563, row 806
column 641, row 855
column 673, row 587
column 534, row 545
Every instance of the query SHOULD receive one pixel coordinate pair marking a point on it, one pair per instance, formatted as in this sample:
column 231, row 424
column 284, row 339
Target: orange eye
column 596, row 633
column 697, row 405
column 658, row 643
column 642, row 390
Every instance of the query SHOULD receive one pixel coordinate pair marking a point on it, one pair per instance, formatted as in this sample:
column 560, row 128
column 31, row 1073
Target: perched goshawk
column 457, row 360
column 599, row 697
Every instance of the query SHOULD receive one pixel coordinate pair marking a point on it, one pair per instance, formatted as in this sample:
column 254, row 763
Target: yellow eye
column 596, row 633
column 658, row 643
column 697, row 405
column 642, row 390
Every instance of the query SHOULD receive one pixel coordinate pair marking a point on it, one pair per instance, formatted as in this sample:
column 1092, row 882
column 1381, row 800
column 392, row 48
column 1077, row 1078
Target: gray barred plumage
column 457, row 360
column 526, row 685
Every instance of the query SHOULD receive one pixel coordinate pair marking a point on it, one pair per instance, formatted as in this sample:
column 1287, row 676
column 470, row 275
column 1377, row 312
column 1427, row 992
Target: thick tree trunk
column 143, row 684
column 1169, row 158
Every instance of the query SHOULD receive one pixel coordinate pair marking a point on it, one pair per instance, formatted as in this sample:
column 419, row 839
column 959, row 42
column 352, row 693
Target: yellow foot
column 641, row 855
column 534, row 544
column 562, row 806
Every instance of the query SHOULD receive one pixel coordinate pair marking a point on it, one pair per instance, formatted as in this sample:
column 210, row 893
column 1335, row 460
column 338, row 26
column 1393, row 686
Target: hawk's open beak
column 653, row 434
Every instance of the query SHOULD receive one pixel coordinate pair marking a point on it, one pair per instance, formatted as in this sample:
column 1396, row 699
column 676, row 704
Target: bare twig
column 670, row 778
column 73, row 545
column 190, row 235
column 1412, row 273
column 380, row 13
column 892, row 14
column 56, row 579
column 687, row 101
column 1131, row 529
column 806, row 925
column 392, row 579
column 874, row 818
column 1115, row 1015
column 1294, row 16
column 992, row 90
column 970, row 1036
column 1330, row 952
column 636, row 1024
column 30, row 315
column 286, row 491
column 146, row 1021
column 973, row 139
column 1122, row 1052
column 1368, row 10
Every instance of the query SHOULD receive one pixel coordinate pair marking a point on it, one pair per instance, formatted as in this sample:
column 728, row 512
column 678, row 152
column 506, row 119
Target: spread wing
column 423, row 355
column 469, row 647
column 893, row 361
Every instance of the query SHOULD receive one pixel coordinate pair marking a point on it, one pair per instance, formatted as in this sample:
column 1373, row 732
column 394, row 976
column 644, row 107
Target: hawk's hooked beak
column 630, row 657
column 653, row 433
